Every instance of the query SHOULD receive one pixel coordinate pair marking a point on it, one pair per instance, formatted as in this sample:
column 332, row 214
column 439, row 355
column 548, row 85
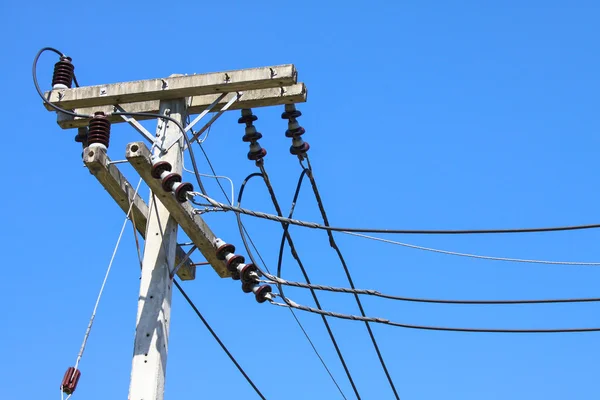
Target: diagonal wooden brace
column 121, row 191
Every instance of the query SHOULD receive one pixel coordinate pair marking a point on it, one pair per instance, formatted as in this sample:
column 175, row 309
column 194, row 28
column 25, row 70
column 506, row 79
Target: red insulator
column 302, row 149
column 182, row 190
column 252, row 137
column 291, row 114
column 299, row 131
column 247, row 118
column 99, row 130
column 224, row 249
column 247, row 287
column 234, row 261
column 257, row 155
column 64, row 71
column 261, row 293
column 245, row 273
column 69, row 382
column 159, row 168
column 169, row 180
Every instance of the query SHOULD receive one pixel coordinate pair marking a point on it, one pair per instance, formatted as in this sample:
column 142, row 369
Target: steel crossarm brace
column 138, row 127
column 214, row 118
column 174, row 87
column 252, row 99
column 203, row 113
column 122, row 192
column 193, row 225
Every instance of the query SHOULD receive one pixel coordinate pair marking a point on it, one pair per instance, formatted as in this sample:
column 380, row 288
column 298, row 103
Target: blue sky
column 423, row 114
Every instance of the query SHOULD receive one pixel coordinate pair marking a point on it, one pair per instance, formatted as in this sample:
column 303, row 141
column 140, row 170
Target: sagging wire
column 481, row 257
column 245, row 238
column 335, row 247
column 272, row 279
column 297, row 258
column 314, row 225
column 291, row 303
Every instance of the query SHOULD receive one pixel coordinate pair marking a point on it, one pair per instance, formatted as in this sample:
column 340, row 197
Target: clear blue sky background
column 425, row 114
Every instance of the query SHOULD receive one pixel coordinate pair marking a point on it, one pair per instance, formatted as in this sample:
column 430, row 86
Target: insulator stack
column 299, row 147
column 251, row 135
column 233, row 261
column 70, row 380
column 171, row 182
column 99, row 131
column 247, row 273
column 64, row 71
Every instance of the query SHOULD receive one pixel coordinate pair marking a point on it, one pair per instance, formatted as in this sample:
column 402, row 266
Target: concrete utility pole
column 154, row 304
column 158, row 221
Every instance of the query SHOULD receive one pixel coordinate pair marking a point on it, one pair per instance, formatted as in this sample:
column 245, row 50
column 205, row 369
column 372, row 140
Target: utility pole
column 176, row 97
column 154, row 304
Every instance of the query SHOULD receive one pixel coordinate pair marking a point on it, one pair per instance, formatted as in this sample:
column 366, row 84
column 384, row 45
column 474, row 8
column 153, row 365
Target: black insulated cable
column 335, row 247
column 306, row 277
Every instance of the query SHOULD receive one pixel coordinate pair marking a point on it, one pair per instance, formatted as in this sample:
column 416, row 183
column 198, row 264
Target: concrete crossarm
column 250, row 99
column 192, row 224
column 174, row 87
column 121, row 191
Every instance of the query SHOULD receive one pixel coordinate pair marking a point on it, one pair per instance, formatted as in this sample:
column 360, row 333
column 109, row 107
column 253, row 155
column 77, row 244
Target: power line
column 369, row 292
column 454, row 253
column 334, row 245
column 314, row 225
column 214, row 335
column 244, row 233
column 300, row 265
column 291, row 303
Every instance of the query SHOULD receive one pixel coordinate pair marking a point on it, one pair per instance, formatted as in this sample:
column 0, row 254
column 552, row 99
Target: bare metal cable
column 112, row 258
column 455, row 253
column 369, row 292
column 335, row 247
column 295, row 255
column 291, row 303
column 314, row 225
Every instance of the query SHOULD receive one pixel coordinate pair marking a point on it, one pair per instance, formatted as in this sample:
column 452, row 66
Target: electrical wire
column 314, row 225
column 291, row 303
column 304, row 273
column 244, row 234
column 335, row 247
column 112, row 258
column 37, row 86
column 124, row 113
column 216, row 337
column 454, row 253
column 278, row 280
column 204, row 321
